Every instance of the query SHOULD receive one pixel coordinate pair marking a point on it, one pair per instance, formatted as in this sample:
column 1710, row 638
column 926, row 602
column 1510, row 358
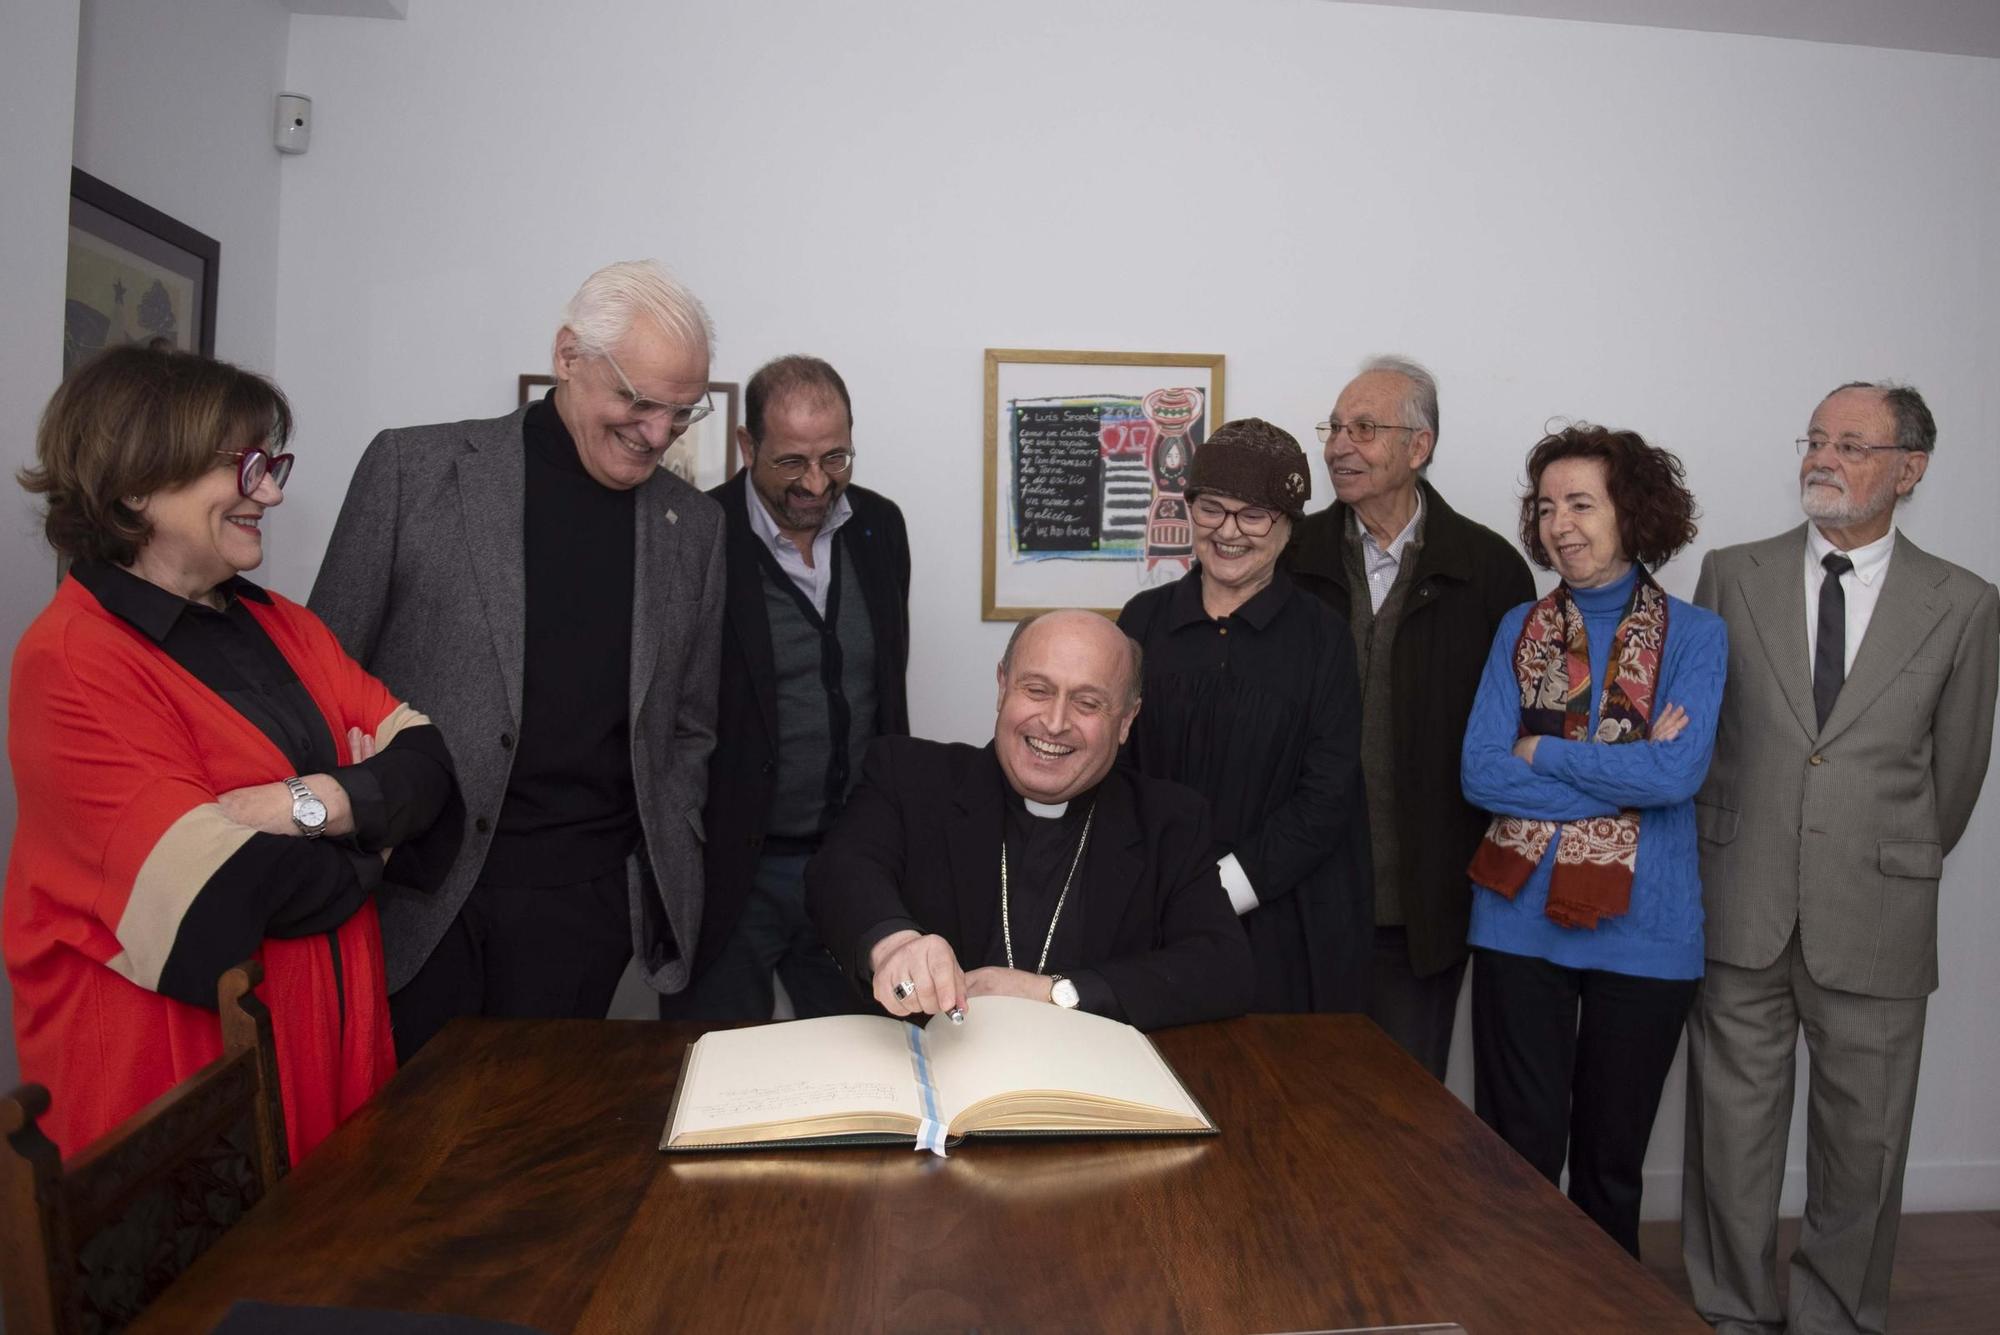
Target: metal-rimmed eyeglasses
column 1252, row 521
column 255, row 464
column 834, row 463
column 1850, row 451
column 1359, row 432
column 680, row 416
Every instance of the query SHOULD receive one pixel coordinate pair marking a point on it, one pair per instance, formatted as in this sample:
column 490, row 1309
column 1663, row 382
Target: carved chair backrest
column 85, row 1245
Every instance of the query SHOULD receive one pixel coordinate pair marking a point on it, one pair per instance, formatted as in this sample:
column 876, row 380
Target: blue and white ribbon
column 930, row 1131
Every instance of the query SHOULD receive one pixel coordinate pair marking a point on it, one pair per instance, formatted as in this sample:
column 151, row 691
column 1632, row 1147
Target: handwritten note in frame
column 1087, row 456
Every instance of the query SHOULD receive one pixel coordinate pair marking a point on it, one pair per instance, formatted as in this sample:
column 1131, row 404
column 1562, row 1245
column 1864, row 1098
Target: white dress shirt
column 812, row 579
column 1861, row 585
column 1382, row 564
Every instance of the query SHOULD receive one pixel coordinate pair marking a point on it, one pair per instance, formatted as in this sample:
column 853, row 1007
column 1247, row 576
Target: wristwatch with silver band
column 308, row 812
column 1063, row 992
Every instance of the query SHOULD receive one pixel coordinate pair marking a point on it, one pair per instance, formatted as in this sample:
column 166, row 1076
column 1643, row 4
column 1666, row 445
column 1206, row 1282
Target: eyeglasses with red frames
column 254, row 465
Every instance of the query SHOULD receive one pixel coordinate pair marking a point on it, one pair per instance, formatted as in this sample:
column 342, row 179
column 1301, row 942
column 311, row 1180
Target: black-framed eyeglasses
column 255, row 464
column 1359, row 432
column 1252, row 521
column 792, row 467
column 680, row 416
column 1851, row 451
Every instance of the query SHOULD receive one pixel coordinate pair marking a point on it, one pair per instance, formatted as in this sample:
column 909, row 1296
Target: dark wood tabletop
column 511, row 1171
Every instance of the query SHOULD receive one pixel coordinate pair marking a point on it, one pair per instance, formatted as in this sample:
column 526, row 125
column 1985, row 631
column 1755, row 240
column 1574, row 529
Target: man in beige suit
column 1852, row 744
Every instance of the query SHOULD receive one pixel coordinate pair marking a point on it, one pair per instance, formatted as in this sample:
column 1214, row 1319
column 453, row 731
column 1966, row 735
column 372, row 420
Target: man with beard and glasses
column 1034, row 866
column 815, row 640
column 1852, row 743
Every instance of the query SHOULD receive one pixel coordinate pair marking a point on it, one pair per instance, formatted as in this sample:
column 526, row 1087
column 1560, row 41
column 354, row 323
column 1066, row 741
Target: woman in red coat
column 203, row 775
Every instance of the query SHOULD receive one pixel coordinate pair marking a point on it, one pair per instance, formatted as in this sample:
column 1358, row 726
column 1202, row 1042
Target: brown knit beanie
column 1254, row 462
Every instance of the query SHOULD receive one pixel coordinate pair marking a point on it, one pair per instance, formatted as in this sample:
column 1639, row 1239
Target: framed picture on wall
column 1087, row 456
column 705, row 456
column 135, row 276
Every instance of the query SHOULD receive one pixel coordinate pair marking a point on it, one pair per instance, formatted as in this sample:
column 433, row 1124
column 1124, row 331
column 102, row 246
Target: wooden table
column 511, row 1171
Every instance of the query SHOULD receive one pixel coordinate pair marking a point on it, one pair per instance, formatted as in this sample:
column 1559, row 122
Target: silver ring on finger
column 905, row 990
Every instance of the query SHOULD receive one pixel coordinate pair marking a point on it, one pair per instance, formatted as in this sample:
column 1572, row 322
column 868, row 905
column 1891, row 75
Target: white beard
column 1839, row 508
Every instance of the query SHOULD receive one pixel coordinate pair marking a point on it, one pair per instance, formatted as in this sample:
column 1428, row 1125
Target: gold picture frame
column 1085, row 452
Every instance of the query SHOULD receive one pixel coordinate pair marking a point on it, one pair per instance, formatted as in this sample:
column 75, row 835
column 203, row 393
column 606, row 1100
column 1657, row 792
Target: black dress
column 1260, row 712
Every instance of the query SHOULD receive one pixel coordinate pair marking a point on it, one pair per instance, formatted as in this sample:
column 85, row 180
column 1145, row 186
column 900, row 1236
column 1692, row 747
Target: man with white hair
column 1423, row 589
column 1849, row 755
column 559, row 594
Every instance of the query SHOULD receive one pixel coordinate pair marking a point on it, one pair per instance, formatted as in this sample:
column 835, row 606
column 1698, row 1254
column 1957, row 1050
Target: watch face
column 309, row 812
column 1064, row 994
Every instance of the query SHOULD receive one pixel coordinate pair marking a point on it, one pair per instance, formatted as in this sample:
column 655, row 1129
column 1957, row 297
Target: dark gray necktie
column 1830, row 654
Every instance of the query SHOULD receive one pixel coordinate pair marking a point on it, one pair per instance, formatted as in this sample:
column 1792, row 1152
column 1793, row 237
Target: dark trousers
column 773, row 935
column 544, row 953
column 1549, row 1079
column 1417, row 1012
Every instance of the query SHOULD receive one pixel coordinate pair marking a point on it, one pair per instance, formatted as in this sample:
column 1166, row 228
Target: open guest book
column 1014, row 1068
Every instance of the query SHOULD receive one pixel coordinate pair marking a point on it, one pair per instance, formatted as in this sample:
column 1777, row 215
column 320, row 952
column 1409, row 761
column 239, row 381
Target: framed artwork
column 135, row 276
column 1087, row 456
column 704, row 457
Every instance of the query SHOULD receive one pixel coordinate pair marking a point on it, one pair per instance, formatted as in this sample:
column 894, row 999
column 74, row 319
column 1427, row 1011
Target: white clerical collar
column 1046, row 810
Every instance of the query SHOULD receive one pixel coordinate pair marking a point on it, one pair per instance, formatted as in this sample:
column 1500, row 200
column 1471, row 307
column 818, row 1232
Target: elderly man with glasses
column 815, row 641
column 1849, row 755
column 1422, row 588
column 559, row 595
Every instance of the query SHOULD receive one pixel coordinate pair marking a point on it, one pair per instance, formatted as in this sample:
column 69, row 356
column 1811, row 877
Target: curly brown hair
column 1656, row 511
column 133, row 421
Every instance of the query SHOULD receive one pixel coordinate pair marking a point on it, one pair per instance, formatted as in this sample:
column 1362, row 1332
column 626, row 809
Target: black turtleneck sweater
column 570, row 812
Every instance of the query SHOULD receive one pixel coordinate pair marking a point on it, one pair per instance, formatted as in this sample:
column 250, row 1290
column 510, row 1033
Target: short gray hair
column 1420, row 405
column 602, row 311
column 1135, row 680
column 1916, row 429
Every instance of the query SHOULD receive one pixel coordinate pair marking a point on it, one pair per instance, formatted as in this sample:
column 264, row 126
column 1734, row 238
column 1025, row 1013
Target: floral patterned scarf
column 1595, row 857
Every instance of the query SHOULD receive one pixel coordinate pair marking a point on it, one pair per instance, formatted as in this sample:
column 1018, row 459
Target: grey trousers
column 1417, row 1012
column 1862, row 1089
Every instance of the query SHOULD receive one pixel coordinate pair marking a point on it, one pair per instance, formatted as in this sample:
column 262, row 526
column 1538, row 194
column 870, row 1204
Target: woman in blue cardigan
column 1590, row 733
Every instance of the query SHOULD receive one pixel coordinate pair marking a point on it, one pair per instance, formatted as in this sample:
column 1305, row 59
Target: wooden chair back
column 84, row 1246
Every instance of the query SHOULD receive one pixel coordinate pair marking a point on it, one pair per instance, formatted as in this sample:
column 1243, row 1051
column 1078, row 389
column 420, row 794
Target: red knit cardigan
column 118, row 756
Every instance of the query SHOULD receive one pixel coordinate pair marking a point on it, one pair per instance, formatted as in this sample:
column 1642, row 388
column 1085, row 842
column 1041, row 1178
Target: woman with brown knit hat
column 1252, row 699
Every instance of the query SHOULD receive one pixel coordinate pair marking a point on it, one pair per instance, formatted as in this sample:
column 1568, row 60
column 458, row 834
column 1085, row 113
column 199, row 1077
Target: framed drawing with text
column 1087, row 455
column 135, row 276
column 705, row 456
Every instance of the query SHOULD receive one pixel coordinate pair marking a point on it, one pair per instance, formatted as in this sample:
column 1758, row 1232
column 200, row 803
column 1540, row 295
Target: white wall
column 38, row 74
column 174, row 105
column 1690, row 234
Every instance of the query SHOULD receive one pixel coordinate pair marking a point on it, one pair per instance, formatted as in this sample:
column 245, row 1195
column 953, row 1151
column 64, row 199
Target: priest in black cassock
column 1033, row 867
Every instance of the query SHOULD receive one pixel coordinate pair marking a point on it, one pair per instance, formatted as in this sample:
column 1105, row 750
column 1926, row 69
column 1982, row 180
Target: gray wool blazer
column 424, row 583
column 1842, row 831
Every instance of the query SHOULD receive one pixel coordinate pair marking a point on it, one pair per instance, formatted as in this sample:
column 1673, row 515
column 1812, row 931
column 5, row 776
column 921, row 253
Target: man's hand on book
column 927, row 964
column 995, row 981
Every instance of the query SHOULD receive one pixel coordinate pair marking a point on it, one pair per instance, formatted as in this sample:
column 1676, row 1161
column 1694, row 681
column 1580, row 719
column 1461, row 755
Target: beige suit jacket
column 1842, row 831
